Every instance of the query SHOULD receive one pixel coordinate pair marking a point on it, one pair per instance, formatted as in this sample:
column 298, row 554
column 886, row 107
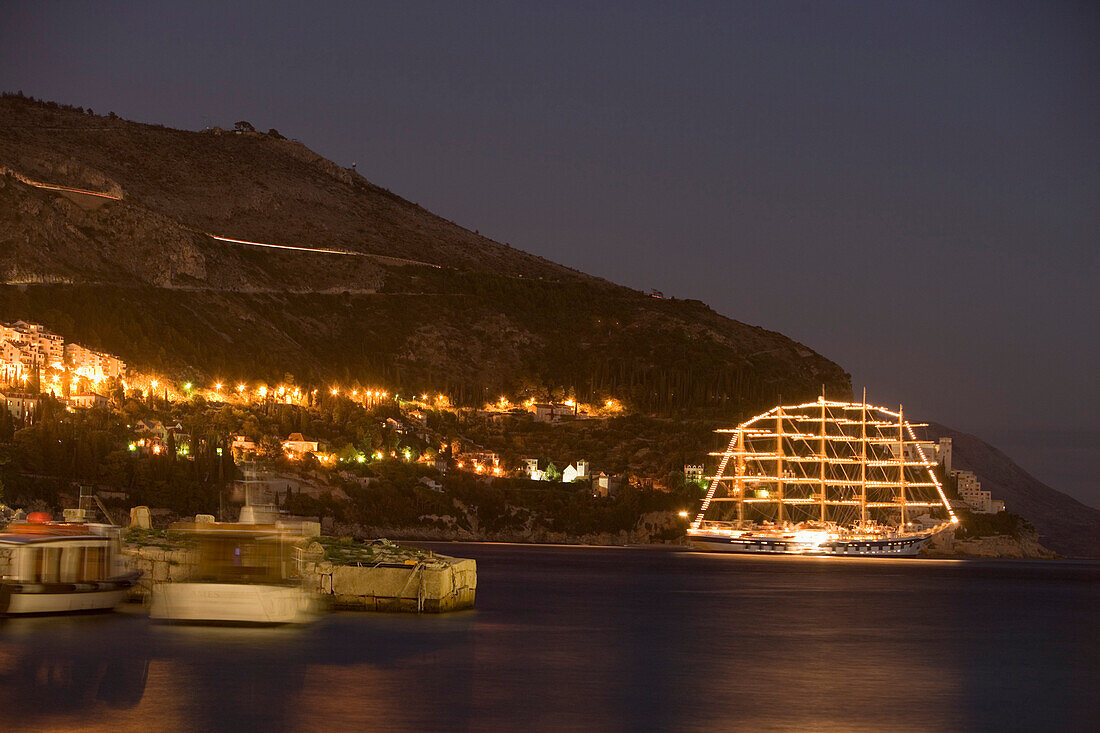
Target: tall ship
column 823, row 478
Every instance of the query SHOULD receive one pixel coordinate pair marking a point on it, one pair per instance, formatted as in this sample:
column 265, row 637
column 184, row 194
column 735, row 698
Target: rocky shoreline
column 942, row 545
column 1024, row 546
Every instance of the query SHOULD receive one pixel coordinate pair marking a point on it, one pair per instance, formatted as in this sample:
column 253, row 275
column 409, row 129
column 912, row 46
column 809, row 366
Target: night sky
column 911, row 189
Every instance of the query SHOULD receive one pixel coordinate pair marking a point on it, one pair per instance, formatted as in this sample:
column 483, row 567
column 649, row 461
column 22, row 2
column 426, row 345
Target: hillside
column 419, row 303
column 1064, row 524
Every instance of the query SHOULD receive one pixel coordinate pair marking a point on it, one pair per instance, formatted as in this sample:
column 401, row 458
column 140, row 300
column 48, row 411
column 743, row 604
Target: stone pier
column 158, row 565
column 433, row 585
column 377, row 576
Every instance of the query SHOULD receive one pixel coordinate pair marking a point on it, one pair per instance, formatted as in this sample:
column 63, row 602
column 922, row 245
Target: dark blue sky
column 911, row 189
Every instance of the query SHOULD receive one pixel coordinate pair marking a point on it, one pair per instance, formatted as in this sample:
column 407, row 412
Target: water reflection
column 120, row 672
column 592, row 639
column 49, row 671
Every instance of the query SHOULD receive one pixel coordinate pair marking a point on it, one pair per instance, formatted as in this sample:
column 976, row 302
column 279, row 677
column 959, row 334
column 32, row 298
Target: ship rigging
column 824, row 478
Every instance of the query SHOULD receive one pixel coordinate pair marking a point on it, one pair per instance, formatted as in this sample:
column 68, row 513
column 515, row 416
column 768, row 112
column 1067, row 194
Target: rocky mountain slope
column 420, row 303
column 1064, row 524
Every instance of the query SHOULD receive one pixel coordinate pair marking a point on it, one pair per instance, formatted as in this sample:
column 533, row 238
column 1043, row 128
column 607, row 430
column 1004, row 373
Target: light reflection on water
column 603, row 639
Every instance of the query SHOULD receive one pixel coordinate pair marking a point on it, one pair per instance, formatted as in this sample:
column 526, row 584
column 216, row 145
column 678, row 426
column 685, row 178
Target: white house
column 970, row 491
column 18, row 404
column 532, row 468
column 574, row 472
column 549, row 412
column 93, row 364
column 90, row 399
column 297, row 445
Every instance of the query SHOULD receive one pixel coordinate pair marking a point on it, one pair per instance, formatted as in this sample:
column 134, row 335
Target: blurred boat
column 61, row 567
column 243, row 576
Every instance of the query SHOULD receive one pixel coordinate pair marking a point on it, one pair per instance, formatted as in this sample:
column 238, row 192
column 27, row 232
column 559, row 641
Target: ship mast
column 901, row 463
column 863, row 459
column 779, row 460
column 822, row 455
column 738, row 474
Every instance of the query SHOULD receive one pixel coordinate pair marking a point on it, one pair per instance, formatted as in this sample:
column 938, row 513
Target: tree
column 552, row 473
column 244, row 126
column 7, row 426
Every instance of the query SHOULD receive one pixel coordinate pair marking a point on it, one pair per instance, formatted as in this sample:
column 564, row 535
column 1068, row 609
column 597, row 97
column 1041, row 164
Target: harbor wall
column 430, row 586
column 158, row 565
column 435, row 585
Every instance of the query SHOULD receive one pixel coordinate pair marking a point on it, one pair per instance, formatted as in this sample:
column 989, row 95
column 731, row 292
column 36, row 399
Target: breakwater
column 345, row 574
column 434, row 585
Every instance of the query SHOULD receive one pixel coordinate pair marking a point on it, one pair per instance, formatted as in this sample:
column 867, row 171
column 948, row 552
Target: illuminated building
column 971, row 492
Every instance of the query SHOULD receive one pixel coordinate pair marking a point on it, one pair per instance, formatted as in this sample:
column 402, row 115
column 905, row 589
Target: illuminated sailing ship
column 823, row 478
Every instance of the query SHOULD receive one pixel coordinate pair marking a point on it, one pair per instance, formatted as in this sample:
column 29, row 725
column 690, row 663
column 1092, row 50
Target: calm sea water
column 604, row 639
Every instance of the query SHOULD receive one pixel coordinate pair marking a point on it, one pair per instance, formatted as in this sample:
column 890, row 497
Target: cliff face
column 420, row 304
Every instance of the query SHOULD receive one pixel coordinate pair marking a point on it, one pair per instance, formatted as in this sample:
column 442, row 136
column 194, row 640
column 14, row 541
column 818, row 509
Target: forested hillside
column 420, row 304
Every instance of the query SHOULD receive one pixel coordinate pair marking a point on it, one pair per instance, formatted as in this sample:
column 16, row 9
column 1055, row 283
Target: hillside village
column 139, row 439
column 34, row 361
column 342, row 454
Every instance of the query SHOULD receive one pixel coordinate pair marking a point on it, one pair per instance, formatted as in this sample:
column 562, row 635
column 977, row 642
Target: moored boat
column 61, row 567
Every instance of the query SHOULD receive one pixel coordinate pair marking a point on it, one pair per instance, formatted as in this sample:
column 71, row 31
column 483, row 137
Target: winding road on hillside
column 79, row 192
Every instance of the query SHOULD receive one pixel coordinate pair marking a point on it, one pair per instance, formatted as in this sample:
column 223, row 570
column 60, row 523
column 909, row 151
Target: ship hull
column 230, row 603
column 908, row 546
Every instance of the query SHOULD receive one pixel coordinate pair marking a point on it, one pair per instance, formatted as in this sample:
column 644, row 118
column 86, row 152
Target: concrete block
column 139, row 517
column 434, row 586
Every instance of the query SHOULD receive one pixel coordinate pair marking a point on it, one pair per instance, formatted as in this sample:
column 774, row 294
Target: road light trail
column 231, row 240
column 66, row 189
column 320, row 250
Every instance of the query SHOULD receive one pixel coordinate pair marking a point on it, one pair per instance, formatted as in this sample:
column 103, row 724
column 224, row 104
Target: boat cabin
column 61, row 567
column 238, row 553
column 58, row 553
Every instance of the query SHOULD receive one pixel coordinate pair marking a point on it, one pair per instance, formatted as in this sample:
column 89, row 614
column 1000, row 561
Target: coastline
column 989, row 548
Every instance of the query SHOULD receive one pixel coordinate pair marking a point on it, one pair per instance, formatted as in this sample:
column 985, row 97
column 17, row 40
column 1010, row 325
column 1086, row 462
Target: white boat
column 58, row 567
column 242, row 577
column 823, row 478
